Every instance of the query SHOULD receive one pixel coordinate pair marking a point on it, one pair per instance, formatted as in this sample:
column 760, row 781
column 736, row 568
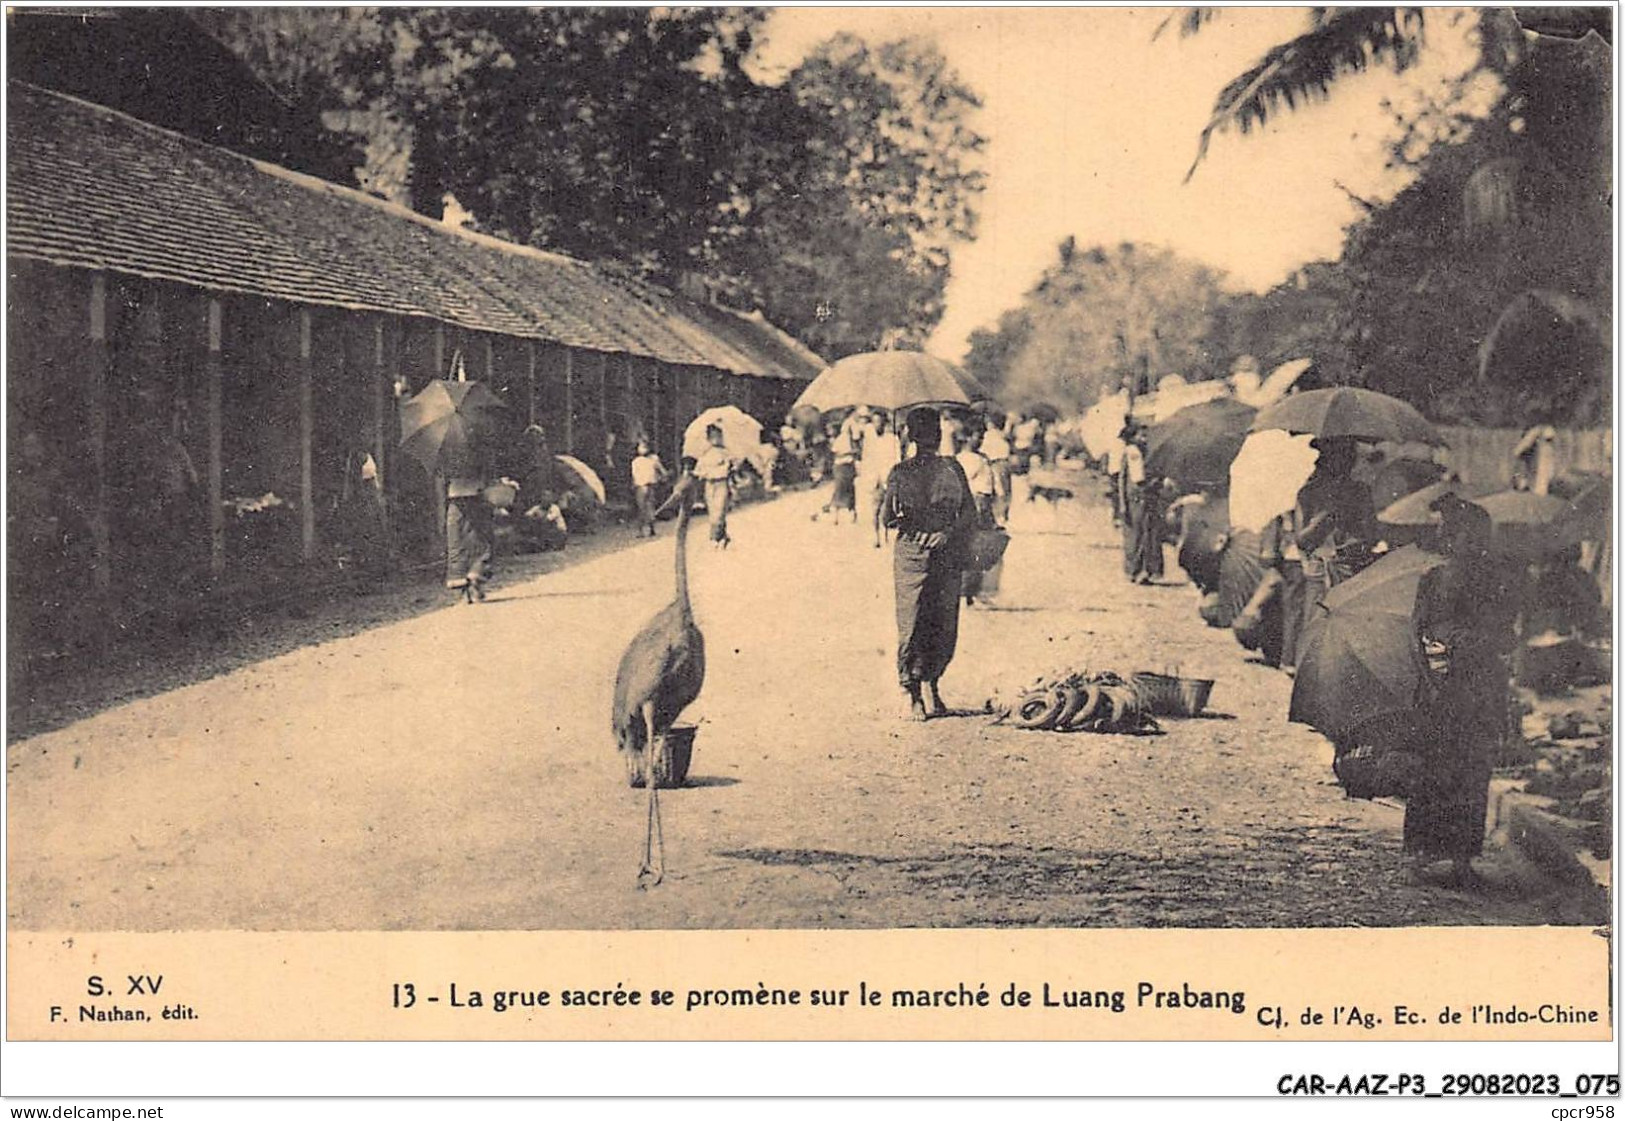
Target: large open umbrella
column 1362, row 660
column 1197, row 444
column 1400, row 477
column 582, row 480
column 891, row 379
column 446, row 426
column 1362, row 414
column 741, row 433
column 1266, row 476
column 1529, row 525
column 1525, row 525
column 1240, row 570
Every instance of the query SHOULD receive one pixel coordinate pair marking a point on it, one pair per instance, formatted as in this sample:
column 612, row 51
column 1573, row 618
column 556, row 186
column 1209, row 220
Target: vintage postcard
column 809, row 524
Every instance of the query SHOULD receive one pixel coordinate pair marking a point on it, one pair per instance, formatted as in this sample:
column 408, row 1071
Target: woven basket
column 1163, row 695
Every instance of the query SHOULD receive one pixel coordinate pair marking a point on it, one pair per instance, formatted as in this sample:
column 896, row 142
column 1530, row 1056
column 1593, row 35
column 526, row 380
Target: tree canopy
column 1100, row 316
column 1482, row 290
column 637, row 136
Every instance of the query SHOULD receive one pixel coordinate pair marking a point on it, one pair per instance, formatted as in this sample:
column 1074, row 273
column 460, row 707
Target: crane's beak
column 679, row 492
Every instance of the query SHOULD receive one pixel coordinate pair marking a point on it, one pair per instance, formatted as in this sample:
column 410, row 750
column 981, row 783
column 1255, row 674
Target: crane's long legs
column 653, row 868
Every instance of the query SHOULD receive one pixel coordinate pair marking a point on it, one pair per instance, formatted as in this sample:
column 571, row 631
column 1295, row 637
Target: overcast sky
column 1092, row 125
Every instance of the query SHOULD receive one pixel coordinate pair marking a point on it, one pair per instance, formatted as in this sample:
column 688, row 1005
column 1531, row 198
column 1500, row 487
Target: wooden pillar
column 217, row 497
column 100, row 361
column 439, row 351
column 530, row 381
column 569, row 400
column 603, row 402
column 490, row 362
column 381, row 402
column 307, row 481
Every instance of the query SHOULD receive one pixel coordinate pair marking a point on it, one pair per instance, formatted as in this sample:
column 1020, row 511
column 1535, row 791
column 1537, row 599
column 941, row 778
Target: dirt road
column 456, row 771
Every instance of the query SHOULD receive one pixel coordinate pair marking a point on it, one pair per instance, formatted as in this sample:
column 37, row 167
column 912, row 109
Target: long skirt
column 975, row 583
column 1445, row 816
column 1142, row 535
column 846, row 491
column 927, row 586
column 1295, row 608
column 716, row 505
column 470, row 538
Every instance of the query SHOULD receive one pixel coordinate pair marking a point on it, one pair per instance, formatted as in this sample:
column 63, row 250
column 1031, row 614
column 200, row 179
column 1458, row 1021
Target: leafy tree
column 1102, row 317
column 636, row 136
column 1502, row 204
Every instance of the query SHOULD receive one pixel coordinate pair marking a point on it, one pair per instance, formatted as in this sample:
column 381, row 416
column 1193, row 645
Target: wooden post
column 603, row 400
column 490, row 363
column 381, row 402
column 100, row 361
column 307, row 481
column 439, row 351
column 217, row 496
column 530, row 381
column 569, row 400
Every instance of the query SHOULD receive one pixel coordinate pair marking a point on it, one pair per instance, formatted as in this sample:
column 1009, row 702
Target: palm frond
column 1342, row 41
column 1190, row 21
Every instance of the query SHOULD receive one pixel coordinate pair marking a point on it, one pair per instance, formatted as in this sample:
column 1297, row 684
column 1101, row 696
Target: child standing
column 647, row 473
column 714, row 468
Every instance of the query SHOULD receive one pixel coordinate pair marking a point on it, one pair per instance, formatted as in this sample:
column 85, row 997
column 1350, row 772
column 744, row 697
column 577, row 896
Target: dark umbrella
column 1529, row 525
column 1240, row 570
column 1361, row 414
column 1362, row 660
column 446, row 426
column 1196, row 445
column 1400, row 477
column 1526, row 525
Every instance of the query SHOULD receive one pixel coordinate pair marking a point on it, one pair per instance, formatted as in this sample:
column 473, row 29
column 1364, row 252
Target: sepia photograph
column 512, row 470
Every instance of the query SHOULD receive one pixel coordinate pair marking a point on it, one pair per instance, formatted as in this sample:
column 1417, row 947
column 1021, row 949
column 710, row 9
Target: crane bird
column 660, row 675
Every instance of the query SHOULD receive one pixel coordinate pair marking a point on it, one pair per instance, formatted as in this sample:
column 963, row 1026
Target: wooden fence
column 1483, row 456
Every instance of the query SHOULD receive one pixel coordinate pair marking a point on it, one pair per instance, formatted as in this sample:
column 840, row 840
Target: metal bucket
column 674, row 760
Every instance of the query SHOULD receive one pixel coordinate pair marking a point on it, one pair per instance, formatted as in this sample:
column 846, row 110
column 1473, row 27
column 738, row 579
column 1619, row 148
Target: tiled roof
column 93, row 188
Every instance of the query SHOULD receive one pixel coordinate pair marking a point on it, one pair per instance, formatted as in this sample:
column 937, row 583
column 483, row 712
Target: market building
column 192, row 330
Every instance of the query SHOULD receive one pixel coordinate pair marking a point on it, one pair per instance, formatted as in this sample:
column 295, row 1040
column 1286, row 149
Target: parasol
column 446, row 426
column 1360, row 414
column 1240, row 570
column 891, row 379
column 1529, row 525
column 583, row 479
column 741, row 434
column 1266, row 476
column 1282, row 379
column 1102, row 424
column 1525, row 525
column 1197, row 444
column 1362, row 660
column 1399, row 477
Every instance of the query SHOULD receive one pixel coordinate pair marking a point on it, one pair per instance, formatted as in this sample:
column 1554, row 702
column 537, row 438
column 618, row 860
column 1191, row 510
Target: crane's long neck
column 683, row 516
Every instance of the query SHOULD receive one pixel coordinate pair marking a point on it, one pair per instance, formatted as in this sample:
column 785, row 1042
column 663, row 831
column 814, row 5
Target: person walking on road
column 881, row 452
column 714, row 468
column 996, row 449
column 647, row 473
column 979, row 475
column 470, row 536
column 1142, row 512
column 928, row 502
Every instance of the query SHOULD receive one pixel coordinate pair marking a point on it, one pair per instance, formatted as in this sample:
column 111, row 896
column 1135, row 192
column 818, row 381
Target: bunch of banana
column 1081, row 702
